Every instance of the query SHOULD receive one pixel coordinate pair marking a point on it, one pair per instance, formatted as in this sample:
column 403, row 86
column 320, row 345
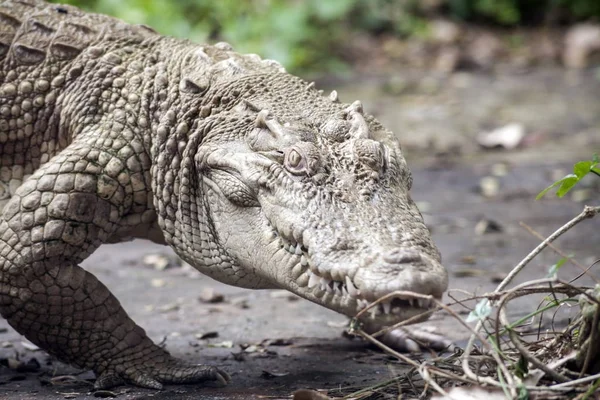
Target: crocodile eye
column 295, row 162
column 294, row 159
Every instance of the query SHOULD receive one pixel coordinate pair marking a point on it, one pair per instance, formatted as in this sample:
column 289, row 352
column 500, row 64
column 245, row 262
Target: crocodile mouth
column 339, row 292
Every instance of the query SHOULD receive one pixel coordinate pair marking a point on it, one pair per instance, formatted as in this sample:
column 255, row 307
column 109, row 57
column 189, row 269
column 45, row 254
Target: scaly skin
column 110, row 131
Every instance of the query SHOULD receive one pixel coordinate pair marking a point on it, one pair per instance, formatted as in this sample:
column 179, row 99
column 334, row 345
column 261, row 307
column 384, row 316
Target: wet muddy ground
column 273, row 343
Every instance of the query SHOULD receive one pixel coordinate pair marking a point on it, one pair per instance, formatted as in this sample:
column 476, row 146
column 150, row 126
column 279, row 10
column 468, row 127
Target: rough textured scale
column 110, row 131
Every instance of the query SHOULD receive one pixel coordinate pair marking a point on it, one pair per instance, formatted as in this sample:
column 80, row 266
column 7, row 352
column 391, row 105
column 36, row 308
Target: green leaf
column 553, row 271
column 567, row 184
column 522, row 367
column 582, row 168
column 481, row 311
column 557, row 183
column 523, row 393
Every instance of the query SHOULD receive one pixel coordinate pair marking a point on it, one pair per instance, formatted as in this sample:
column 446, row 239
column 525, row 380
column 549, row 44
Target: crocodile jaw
column 348, row 288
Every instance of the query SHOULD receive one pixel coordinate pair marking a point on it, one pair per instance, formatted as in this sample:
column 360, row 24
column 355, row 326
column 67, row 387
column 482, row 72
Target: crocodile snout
column 402, row 270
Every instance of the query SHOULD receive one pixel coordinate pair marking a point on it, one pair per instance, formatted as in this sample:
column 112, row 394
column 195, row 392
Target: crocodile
column 111, row 131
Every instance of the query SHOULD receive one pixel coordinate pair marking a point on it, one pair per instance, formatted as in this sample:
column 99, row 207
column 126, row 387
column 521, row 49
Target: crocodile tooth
column 313, row 280
column 360, row 305
column 352, row 291
column 337, row 288
column 302, row 280
column 292, row 248
column 365, row 303
column 297, row 271
column 325, row 285
column 298, row 249
column 375, row 311
column 387, row 306
column 303, row 260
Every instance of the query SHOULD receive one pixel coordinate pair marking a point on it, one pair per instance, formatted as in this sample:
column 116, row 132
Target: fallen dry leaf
column 159, row 261
column 309, row 395
column 472, row 393
column 207, row 335
column 468, row 272
column 508, row 137
column 227, row 344
column 277, row 342
column 271, row 374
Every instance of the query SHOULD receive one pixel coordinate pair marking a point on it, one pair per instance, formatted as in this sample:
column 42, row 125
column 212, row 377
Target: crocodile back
column 51, row 58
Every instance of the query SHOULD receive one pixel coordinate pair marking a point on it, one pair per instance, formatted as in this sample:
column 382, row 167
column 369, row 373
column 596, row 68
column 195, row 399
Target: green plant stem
column 591, row 390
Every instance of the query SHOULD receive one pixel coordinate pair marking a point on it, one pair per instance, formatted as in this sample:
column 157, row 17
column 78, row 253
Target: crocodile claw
column 154, row 375
column 415, row 340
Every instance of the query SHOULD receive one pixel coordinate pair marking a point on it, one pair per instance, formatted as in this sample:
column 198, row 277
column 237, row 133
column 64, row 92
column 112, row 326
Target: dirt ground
column 272, row 343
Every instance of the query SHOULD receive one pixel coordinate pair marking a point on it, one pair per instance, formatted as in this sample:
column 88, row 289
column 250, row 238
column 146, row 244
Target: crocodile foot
column 152, row 374
column 416, row 339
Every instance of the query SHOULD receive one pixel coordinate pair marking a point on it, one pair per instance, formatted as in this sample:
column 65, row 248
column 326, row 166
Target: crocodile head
column 311, row 195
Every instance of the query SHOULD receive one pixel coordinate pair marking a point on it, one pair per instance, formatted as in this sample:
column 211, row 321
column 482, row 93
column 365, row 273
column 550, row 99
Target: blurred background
column 334, row 35
column 442, row 74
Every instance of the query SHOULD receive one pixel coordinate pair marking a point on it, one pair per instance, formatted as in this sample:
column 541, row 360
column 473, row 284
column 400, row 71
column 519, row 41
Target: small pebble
column 497, row 277
column 485, row 226
column 208, row 295
column 489, row 186
column 104, row 394
column 499, row 169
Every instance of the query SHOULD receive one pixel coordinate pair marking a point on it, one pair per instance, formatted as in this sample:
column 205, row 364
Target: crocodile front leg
column 59, row 216
column 412, row 339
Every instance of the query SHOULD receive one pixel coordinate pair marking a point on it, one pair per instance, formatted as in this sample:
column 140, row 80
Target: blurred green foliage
column 317, row 34
column 514, row 12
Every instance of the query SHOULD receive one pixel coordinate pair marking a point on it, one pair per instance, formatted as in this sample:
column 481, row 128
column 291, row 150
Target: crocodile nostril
column 402, row 256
